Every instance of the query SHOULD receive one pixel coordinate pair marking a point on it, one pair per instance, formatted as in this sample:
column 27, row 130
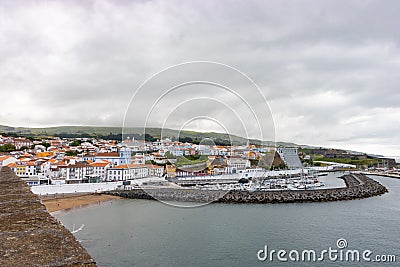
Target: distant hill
column 104, row 131
column 51, row 131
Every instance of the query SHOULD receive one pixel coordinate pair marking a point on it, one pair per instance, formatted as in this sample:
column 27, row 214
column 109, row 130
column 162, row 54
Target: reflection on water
column 149, row 233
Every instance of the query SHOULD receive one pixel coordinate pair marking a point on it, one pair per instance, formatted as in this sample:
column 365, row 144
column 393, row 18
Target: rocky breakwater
column 357, row 186
column 29, row 235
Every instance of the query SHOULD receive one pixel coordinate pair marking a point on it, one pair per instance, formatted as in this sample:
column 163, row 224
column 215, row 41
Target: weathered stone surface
column 357, row 186
column 29, row 235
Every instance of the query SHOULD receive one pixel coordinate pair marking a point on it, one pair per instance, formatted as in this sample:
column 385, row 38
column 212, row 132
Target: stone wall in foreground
column 357, row 186
column 29, row 235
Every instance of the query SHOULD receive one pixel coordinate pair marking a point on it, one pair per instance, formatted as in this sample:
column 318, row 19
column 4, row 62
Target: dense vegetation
column 197, row 141
column 71, row 153
column 114, row 133
column 190, row 160
column 353, row 161
column 7, row 148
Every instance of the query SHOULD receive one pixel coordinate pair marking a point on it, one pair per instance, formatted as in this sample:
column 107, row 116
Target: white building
column 100, row 169
column 155, row 170
column 5, row 160
column 127, row 172
column 138, row 159
column 77, row 173
column 237, row 163
column 30, row 169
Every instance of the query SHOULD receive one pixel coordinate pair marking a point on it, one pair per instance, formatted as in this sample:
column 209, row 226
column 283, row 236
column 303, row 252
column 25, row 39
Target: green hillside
column 94, row 131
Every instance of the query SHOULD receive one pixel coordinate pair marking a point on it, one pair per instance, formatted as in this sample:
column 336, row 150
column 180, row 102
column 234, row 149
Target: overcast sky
column 330, row 70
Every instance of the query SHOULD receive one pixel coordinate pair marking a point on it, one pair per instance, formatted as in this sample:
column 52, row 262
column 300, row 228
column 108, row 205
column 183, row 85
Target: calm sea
column 149, row 233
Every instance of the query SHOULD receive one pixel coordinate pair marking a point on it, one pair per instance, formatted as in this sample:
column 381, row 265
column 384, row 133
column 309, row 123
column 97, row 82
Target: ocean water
column 148, row 233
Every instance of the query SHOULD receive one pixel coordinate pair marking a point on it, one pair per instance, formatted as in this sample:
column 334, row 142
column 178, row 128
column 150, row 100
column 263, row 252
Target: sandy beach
column 67, row 201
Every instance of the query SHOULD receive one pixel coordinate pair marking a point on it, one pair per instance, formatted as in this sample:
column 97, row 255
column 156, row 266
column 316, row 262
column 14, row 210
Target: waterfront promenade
column 29, row 235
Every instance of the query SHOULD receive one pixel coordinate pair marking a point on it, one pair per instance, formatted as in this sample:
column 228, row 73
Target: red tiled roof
column 99, row 164
column 4, row 157
column 108, row 154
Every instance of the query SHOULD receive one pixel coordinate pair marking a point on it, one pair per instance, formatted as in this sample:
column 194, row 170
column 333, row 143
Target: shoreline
column 63, row 202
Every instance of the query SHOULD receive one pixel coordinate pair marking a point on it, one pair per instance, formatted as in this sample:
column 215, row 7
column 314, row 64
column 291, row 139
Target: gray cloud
column 330, row 69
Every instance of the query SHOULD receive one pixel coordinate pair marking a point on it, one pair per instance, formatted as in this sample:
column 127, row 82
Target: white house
column 155, row 170
column 127, row 172
column 79, row 172
column 238, row 162
column 117, row 173
column 100, row 169
column 5, row 160
column 123, row 157
column 30, row 168
column 139, row 159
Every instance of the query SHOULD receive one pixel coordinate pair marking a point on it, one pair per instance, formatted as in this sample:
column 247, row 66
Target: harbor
column 258, row 180
column 225, row 234
column 357, row 186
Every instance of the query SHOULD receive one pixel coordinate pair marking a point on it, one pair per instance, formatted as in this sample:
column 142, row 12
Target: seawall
column 357, row 186
column 29, row 235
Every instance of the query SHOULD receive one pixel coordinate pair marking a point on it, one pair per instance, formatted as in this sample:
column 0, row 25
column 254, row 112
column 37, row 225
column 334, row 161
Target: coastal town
column 199, row 133
column 60, row 161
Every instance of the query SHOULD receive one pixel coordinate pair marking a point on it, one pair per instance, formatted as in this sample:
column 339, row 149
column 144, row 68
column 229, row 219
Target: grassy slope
column 357, row 162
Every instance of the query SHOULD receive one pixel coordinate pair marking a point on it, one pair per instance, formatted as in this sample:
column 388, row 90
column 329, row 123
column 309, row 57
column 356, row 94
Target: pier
column 209, row 180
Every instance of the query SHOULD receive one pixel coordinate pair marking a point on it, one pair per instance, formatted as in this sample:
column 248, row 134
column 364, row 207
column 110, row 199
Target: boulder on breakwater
column 357, row 186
